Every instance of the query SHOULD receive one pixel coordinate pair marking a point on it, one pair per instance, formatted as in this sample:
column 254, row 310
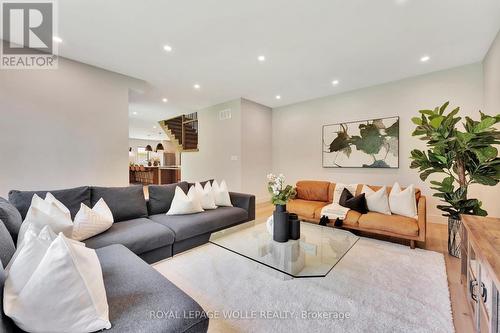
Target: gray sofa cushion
column 10, row 217
column 161, row 196
column 187, row 226
column 125, row 203
column 6, row 324
column 7, row 247
column 71, row 198
column 139, row 235
column 135, row 291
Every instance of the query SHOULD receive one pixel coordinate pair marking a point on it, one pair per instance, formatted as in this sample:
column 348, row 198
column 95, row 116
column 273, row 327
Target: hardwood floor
column 437, row 235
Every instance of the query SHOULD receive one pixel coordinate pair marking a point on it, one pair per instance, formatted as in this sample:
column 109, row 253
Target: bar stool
column 142, row 174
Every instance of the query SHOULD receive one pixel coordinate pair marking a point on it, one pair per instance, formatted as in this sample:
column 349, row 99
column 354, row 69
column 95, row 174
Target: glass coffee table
column 317, row 251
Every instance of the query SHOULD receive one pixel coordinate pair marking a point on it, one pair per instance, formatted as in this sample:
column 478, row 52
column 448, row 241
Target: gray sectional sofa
column 141, row 230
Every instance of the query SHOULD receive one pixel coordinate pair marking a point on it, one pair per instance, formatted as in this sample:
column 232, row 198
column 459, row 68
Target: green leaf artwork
column 366, row 144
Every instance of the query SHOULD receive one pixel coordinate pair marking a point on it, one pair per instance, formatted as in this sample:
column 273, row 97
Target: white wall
column 297, row 138
column 62, row 128
column 256, row 148
column 219, row 143
column 238, row 150
column 491, row 66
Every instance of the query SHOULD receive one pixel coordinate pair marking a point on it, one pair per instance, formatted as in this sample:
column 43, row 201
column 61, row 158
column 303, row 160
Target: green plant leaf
column 485, row 153
column 443, row 107
column 436, row 122
column 486, row 123
column 416, row 120
column 427, row 112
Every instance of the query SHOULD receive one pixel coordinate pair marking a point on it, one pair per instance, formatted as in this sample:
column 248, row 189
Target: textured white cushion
column 90, row 222
column 56, row 286
column 185, row 204
column 49, row 198
column 403, row 202
column 377, row 201
column 221, row 194
column 339, row 188
column 205, row 195
column 46, row 212
column 46, row 234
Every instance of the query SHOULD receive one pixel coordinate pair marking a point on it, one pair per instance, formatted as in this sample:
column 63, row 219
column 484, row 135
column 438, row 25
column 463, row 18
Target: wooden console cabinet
column 480, row 271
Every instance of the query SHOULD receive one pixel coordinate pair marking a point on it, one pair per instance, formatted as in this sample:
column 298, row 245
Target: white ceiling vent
column 225, row 114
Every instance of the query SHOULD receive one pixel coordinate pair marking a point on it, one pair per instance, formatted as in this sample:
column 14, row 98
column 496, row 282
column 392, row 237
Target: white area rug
column 382, row 287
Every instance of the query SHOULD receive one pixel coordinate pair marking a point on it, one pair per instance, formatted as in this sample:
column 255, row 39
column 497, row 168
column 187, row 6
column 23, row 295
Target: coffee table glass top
column 317, row 251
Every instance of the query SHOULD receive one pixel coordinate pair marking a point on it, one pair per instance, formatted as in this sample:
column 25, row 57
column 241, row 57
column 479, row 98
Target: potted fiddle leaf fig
column 463, row 156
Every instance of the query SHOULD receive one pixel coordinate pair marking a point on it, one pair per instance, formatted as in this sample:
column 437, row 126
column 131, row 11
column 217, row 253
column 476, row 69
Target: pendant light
column 149, row 148
column 159, row 147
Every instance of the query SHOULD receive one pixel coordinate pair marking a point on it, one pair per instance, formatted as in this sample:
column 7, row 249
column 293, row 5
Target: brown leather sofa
column 312, row 196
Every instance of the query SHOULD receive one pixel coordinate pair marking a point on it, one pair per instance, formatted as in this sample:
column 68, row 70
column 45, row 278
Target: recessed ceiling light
column 165, row 100
column 278, row 97
column 261, row 58
column 134, row 113
column 154, row 127
column 425, row 58
column 57, row 39
column 335, row 82
column 196, row 86
column 167, row 48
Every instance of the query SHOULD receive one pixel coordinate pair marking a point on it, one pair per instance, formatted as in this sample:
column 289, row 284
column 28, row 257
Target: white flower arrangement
column 280, row 194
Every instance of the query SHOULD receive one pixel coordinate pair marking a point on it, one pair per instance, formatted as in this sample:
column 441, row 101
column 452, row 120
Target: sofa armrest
column 422, row 217
column 245, row 201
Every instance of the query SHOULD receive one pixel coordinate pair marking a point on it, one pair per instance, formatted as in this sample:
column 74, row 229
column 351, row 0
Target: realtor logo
column 27, row 35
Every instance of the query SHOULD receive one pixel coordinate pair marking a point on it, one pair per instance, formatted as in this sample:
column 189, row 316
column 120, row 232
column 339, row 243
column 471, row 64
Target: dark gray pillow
column 6, row 324
column 161, row 196
column 10, row 217
column 71, row 198
column 202, row 183
column 126, row 203
column 7, row 247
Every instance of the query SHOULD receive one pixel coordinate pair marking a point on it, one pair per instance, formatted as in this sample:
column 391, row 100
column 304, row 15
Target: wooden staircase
column 182, row 131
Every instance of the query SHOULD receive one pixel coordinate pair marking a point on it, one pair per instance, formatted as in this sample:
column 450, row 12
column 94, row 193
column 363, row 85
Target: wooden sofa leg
column 412, row 244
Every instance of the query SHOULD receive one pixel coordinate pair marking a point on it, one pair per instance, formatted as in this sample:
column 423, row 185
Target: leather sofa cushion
column 134, row 289
column 190, row 225
column 138, row 235
column 71, row 198
column 161, row 196
column 397, row 224
column 11, row 217
column 312, row 190
column 125, row 203
column 305, row 208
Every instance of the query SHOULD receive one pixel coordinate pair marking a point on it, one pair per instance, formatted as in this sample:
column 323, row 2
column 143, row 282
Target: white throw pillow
column 90, row 222
column 56, row 286
column 49, row 198
column 221, row 194
column 45, row 235
column 339, row 188
column 403, row 202
column 42, row 213
column 205, row 195
column 185, row 204
column 377, row 201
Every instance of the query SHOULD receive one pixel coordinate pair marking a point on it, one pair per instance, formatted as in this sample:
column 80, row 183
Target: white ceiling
column 307, row 45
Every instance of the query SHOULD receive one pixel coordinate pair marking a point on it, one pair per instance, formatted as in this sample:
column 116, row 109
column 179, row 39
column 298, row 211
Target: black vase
column 281, row 227
column 294, row 226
